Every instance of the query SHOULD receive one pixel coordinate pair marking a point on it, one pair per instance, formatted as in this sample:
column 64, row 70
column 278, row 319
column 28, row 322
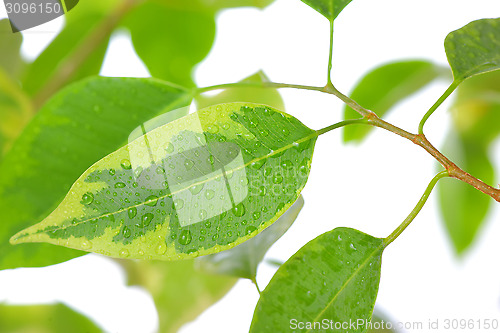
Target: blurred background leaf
column 53, row 318
column 476, row 117
column 10, row 56
column 384, row 87
column 76, row 128
column 180, row 292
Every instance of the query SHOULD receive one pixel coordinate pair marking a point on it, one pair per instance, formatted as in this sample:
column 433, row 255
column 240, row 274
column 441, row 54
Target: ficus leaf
column 180, row 292
column 463, row 207
column 384, row 87
column 333, row 277
column 328, row 8
column 474, row 48
column 198, row 185
column 242, row 260
column 52, row 318
column 78, row 126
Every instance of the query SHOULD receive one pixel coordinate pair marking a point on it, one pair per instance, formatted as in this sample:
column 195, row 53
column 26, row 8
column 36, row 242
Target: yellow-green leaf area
column 198, row 185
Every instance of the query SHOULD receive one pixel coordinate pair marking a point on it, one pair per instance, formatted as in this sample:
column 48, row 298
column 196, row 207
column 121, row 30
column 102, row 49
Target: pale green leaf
column 10, row 46
column 266, row 96
column 384, row 87
column 328, row 8
column 242, row 260
column 198, row 185
column 463, row 207
column 52, row 318
column 171, row 41
column 180, row 292
column 15, row 112
column 333, row 277
column 474, row 48
column 77, row 127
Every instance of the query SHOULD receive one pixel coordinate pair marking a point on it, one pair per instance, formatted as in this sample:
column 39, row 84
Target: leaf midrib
column 286, row 147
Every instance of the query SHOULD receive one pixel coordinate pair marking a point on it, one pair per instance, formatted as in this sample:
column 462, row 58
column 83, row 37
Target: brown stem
column 69, row 66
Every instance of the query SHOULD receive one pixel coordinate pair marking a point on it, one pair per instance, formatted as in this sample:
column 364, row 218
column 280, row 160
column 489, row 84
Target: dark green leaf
column 266, row 96
column 462, row 206
column 333, row 277
column 384, row 87
column 198, row 185
column 10, row 46
column 180, row 292
column 242, row 261
column 474, row 48
column 328, row 8
column 171, row 41
column 15, row 112
column 57, row 318
column 80, row 125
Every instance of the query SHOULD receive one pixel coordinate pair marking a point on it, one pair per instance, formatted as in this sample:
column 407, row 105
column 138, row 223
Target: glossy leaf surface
column 195, row 186
column 80, row 125
column 474, row 48
column 333, row 277
column 180, row 292
column 56, row 318
column 328, row 8
column 242, row 260
column 384, row 87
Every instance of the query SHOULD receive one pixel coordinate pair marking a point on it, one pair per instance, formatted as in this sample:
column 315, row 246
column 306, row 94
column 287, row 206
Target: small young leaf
column 56, row 318
column 462, row 206
column 242, row 260
column 180, row 292
column 333, row 277
column 77, row 127
column 10, row 44
column 15, row 112
column 474, row 48
column 384, row 87
column 328, row 8
column 266, row 96
column 198, row 185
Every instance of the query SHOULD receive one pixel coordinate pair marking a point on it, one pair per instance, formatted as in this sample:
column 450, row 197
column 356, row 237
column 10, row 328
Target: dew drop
column 250, row 229
column 126, row 164
column 188, row 164
column 120, row 185
column 258, row 164
column 256, row 215
column 264, row 132
column 112, row 172
column 226, row 126
column 132, row 212
column 169, row 148
column 185, row 237
column 152, row 200
column 239, row 210
column 262, row 191
column 208, row 224
column 87, row 198
column 126, row 232
column 178, row 204
column 147, row 218
column 161, row 249
column 287, row 164
column 214, row 237
column 278, row 179
column 196, row 189
column 160, row 170
column 209, row 194
column 213, row 129
column 124, row 253
column 285, row 131
column 203, row 214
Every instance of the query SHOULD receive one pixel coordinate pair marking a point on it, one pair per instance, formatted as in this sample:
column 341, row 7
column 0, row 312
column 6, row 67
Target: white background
column 371, row 187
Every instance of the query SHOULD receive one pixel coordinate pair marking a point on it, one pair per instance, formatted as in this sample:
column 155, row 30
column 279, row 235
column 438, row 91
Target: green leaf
column 77, row 127
column 328, row 8
column 15, row 112
column 242, row 261
column 384, row 87
column 198, row 185
column 80, row 23
column 463, row 207
column 10, row 44
column 266, row 96
column 171, row 41
column 474, row 48
column 56, row 318
column 180, row 292
column 334, row 277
